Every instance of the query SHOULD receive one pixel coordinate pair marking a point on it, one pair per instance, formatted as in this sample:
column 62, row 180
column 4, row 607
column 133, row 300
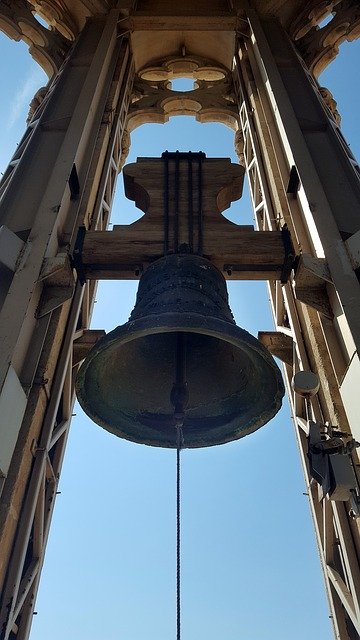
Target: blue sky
column 250, row 564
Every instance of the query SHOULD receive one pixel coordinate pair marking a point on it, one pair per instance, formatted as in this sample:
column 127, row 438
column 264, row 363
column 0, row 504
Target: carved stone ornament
column 211, row 100
column 36, row 102
column 58, row 16
column 240, row 146
column 331, row 104
column 319, row 45
column 125, row 147
column 47, row 46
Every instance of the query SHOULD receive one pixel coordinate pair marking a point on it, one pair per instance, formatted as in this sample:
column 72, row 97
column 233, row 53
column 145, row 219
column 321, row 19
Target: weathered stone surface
column 190, row 28
column 211, row 100
column 47, row 46
column 319, row 44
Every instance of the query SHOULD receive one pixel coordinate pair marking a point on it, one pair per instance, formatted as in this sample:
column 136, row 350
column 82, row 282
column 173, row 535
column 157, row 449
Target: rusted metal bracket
column 279, row 271
column 330, row 463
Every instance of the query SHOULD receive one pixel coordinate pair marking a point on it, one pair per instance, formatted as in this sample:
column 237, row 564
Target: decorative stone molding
column 320, row 45
column 239, row 146
column 311, row 16
column 57, row 15
column 183, row 66
column 125, row 147
column 36, row 102
column 47, row 46
column 69, row 16
column 211, row 100
column 324, row 95
column 331, row 104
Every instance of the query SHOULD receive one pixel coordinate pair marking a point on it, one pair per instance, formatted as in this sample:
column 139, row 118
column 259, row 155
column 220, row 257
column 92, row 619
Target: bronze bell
column 180, row 359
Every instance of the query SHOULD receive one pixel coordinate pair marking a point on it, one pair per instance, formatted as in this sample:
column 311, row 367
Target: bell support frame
column 238, row 251
column 45, row 312
column 279, row 139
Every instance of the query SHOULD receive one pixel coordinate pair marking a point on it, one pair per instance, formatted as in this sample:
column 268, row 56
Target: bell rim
column 144, row 326
column 170, row 323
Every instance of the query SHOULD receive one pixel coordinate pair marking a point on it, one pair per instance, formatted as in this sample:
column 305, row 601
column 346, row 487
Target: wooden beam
column 240, row 255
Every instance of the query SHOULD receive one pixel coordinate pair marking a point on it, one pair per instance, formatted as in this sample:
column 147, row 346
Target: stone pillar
column 62, row 177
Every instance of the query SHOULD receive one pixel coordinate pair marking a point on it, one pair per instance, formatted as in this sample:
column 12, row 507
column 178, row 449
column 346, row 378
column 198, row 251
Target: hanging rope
column 178, row 533
column 179, row 398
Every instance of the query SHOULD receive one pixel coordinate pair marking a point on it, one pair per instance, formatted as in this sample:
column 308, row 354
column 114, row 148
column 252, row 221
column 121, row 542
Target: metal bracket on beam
column 285, row 268
column 102, row 269
column 330, row 464
column 77, row 262
column 289, row 258
column 311, row 277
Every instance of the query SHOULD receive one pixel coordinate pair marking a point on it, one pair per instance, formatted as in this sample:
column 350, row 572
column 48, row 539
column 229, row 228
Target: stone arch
column 319, row 42
column 47, row 46
column 57, row 16
column 153, row 101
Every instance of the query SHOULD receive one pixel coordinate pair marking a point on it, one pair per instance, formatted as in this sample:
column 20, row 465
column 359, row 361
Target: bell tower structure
column 110, row 62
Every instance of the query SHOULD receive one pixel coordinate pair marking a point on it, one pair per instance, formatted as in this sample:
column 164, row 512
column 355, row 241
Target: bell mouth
column 125, row 382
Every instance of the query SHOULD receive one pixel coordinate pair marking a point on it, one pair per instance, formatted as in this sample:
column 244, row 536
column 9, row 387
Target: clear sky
column 250, row 564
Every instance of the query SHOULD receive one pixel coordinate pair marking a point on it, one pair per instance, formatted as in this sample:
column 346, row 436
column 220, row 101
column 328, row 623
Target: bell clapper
column 180, row 394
